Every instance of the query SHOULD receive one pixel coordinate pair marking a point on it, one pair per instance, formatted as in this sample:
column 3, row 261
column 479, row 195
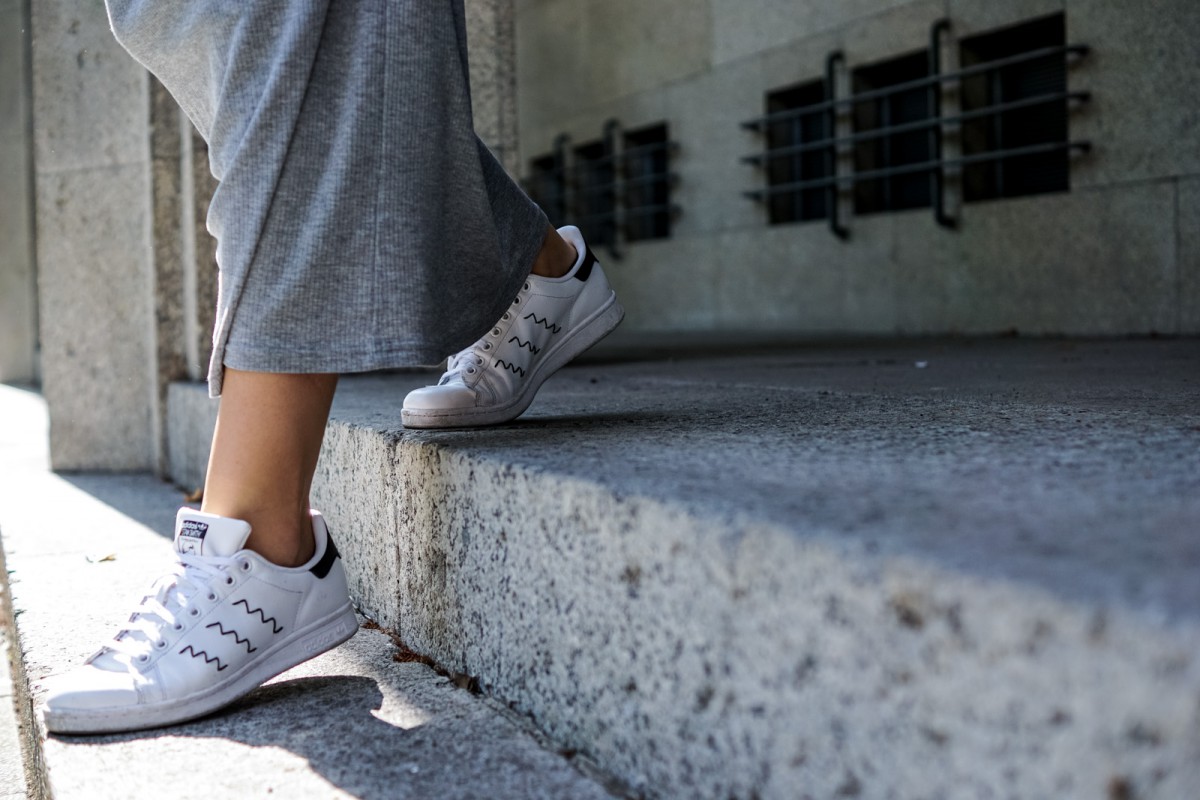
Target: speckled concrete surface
column 12, row 763
column 931, row 569
column 351, row 723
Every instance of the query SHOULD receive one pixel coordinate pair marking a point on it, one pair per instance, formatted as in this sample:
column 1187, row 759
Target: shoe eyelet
column 177, row 626
column 161, row 644
column 143, row 658
column 487, row 345
column 229, row 580
column 245, row 566
column 212, row 597
column 527, row 286
column 495, row 331
column 193, row 612
column 506, row 316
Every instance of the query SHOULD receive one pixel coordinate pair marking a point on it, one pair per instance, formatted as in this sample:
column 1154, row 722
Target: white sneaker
column 220, row 623
column 551, row 321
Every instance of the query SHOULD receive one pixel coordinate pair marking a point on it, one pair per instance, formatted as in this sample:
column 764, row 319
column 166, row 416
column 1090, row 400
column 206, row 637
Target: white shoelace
column 172, row 598
column 460, row 364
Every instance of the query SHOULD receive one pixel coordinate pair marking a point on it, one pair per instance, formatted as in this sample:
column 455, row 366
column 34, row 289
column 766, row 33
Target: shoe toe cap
column 88, row 688
column 439, row 398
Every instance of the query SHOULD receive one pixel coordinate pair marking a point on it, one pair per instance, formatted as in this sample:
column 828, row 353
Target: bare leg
column 264, row 454
column 268, row 437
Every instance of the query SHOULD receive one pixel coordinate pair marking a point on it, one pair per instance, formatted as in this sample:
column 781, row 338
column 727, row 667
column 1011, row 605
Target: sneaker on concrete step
column 551, row 321
column 218, row 624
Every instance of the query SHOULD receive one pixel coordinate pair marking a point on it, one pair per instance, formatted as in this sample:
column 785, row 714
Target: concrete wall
column 18, row 292
column 1115, row 255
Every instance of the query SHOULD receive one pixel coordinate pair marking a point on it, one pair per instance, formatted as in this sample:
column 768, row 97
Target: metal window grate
column 899, row 119
column 616, row 189
column 593, row 190
column 801, row 120
column 1012, row 127
column 1033, row 95
column 646, row 183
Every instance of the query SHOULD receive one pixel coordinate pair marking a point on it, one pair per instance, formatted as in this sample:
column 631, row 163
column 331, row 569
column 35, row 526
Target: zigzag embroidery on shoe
column 544, row 322
column 513, row 368
column 262, row 615
column 234, row 634
column 530, row 346
column 203, row 654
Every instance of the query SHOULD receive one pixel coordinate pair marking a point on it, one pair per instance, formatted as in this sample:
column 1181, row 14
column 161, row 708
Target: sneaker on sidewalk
column 221, row 622
column 551, row 321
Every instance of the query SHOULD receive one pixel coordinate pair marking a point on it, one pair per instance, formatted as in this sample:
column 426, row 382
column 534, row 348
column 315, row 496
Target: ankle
column 291, row 550
column 556, row 258
column 283, row 538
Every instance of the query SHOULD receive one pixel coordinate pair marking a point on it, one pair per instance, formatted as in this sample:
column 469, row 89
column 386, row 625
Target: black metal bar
column 833, row 195
column 758, row 123
column 996, row 90
column 653, row 147
column 650, row 178
column 937, row 176
column 925, row 166
column 599, row 189
column 908, row 127
column 920, row 83
column 612, row 129
column 645, row 211
column 560, row 173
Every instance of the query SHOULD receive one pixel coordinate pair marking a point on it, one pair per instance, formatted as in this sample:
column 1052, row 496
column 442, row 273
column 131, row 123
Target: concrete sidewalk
column 354, row 722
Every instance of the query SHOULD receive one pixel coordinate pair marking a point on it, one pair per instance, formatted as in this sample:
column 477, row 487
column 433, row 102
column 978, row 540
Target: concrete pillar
column 94, row 233
column 18, row 288
column 492, row 45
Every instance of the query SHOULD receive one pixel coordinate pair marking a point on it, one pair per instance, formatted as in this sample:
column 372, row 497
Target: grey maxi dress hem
column 360, row 223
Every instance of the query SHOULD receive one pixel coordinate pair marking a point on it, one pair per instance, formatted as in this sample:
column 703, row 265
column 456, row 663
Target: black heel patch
column 322, row 567
column 585, row 269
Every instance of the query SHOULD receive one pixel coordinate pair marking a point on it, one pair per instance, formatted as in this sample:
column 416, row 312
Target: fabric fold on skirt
column 360, row 222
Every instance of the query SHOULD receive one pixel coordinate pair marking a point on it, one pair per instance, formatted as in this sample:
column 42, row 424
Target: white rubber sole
column 316, row 638
column 592, row 330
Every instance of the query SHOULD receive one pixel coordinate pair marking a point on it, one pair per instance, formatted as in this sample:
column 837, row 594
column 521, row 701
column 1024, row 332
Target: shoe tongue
column 201, row 534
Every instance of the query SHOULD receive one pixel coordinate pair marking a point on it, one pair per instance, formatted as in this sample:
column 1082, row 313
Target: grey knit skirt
column 360, row 222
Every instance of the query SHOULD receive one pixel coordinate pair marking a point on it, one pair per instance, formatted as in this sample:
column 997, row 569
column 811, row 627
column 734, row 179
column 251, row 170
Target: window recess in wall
column 1020, row 106
column 646, row 184
column 798, row 160
column 892, row 115
column 1005, row 109
column 617, row 189
column 593, row 190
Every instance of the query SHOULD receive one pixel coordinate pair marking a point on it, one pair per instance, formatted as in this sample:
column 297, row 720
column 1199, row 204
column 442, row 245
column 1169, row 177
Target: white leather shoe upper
column 495, row 369
column 218, row 609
